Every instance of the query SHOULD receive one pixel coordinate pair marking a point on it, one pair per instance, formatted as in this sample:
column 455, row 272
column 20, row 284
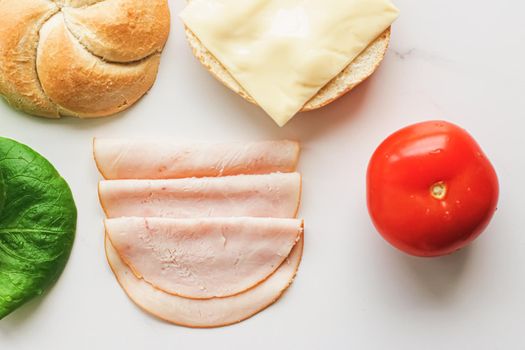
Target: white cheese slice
column 283, row 52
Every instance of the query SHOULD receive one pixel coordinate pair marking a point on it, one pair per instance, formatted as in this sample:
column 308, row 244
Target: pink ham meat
column 205, row 313
column 273, row 195
column 203, row 258
column 143, row 159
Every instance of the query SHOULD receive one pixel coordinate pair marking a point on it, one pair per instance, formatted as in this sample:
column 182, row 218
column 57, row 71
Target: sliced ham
column 203, row 258
column 150, row 159
column 273, row 195
column 205, row 313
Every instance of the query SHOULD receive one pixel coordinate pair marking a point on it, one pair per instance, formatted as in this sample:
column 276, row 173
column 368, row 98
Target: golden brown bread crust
column 120, row 30
column 50, row 66
column 19, row 26
column 83, row 85
column 76, row 3
column 354, row 74
column 358, row 71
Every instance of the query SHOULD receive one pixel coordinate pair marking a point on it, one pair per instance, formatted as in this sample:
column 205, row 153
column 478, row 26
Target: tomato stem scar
column 438, row 190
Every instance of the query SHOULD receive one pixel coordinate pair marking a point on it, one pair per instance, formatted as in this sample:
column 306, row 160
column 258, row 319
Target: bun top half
column 84, row 58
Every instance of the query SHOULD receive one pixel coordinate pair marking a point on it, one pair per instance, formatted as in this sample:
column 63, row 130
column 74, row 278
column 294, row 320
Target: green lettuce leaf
column 37, row 225
column 2, row 191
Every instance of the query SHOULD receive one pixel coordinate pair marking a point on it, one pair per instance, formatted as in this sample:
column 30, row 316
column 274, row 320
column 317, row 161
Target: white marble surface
column 455, row 60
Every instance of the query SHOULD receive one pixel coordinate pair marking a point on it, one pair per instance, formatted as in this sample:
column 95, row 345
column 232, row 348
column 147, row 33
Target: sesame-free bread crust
column 83, row 58
column 354, row 74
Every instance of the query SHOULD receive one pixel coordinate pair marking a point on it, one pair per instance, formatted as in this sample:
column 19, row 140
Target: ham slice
column 203, row 258
column 149, row 159
column 273, row 195
column 205, row 313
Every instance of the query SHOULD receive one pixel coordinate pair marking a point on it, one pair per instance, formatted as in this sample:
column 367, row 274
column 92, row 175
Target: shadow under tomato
column 437, row 277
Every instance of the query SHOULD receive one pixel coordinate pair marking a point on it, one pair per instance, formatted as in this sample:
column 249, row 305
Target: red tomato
column 430, row 189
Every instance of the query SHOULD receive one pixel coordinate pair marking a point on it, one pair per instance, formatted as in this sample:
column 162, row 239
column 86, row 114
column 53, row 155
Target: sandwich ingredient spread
column 283, row 52
column 37, row 225
column 269, row 195
column 431, row 189
column 201, row 251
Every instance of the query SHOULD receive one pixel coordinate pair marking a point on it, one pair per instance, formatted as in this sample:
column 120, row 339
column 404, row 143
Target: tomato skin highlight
column 430, row 189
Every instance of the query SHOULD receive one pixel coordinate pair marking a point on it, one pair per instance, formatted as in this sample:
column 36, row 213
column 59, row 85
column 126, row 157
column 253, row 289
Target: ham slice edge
column 208, row 313
column 164, row 159
column 203, row 258
column 269, row 195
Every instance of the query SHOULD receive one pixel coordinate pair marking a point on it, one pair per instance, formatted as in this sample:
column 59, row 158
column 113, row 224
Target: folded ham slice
column 203, row 258
column 273, row 195
column 149, row 159
column 205, row 313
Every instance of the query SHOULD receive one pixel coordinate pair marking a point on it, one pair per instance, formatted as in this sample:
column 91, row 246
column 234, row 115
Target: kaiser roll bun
column 82, row 58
